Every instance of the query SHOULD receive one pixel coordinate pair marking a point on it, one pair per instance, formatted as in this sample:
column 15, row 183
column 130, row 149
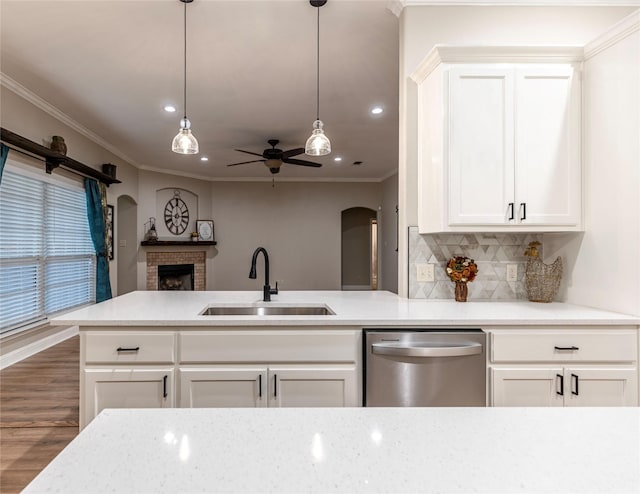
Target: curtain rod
column 35, row 157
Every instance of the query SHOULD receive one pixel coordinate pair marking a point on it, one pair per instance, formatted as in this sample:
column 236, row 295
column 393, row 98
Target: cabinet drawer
column 272, row 346
column 564, row 346
column 127, row 347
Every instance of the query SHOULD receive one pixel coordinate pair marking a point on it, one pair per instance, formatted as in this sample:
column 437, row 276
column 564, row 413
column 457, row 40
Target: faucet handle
column 274, row 291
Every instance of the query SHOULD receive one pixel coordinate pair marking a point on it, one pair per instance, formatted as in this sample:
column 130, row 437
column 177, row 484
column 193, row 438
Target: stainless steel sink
column 251, row 310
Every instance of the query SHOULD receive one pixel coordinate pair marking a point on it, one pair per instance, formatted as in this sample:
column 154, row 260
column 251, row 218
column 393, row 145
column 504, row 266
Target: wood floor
column 38, row 412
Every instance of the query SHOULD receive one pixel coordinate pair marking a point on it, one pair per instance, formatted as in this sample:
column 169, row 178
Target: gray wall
column 298, row 223
column 388, row 244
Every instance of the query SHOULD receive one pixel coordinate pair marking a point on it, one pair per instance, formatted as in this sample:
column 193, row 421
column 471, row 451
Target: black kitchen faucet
column 267, row 290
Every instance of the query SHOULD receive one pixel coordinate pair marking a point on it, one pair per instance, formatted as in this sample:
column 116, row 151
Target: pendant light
column 185, row 142
column 318, row 144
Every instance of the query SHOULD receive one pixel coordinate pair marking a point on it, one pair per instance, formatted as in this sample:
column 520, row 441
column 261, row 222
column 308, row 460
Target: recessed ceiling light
column 337, row 158
column 170, row 108
column 204, row 158
column 376, row 110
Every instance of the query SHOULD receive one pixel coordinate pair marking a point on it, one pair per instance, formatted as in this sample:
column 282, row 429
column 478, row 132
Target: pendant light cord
column 318, row 67
column 185, row 60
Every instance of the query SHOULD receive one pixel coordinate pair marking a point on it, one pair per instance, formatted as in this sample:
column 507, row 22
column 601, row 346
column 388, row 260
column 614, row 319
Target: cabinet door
column 547, row 150
column 600, row 387
column 527, row 387
column 126, row 388
column 223, row 387
column 313, row 386
column 479, row 146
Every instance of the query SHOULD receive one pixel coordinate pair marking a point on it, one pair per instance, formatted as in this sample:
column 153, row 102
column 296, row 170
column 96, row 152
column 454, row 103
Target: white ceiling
column 112, row 65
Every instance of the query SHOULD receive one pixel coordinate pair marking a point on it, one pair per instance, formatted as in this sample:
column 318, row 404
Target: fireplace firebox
column 176, row 277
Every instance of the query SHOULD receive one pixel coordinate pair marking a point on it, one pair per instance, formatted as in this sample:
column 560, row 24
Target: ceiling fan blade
column 292, row 152
column 245, row 162
column 249, row 152
column 292, row 161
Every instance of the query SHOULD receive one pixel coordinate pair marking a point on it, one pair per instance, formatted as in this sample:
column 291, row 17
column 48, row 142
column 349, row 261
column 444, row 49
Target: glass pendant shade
column 185, row 142
column 318, row 144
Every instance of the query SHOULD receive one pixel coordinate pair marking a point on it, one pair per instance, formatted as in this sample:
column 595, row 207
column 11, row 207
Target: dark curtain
column 4, row 151
column 96, row 211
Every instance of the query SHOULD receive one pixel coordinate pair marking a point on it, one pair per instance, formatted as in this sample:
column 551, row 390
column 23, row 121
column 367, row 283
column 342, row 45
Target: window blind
column 47, row 259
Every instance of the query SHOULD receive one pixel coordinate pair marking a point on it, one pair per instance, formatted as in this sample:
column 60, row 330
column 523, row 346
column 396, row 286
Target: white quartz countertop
column 351, row 450
column 362, row 308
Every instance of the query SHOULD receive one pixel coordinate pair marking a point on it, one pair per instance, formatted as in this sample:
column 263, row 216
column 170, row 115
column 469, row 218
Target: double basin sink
column 267, row 310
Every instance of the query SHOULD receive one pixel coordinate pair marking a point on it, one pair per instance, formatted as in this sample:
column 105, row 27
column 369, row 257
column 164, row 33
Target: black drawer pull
column 511, row 215
column 561, row 392
column 566, row 348
column 260, row 385
column 164, row 387
column 275, row 385
column 121, row 349
column 575, row 379
column 524, row 210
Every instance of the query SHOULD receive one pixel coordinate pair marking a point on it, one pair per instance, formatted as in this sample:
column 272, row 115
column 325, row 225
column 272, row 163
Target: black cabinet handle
column 511, row 216
column 566, row 348
column 260, row 385
column 164, row 386
column 523, row 205
column 275, row 385
column 561, row 392
column 121, row 349
column 575, row 379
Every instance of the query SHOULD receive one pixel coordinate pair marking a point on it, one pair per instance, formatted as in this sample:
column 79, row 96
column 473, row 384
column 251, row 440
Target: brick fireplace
column 155, row 259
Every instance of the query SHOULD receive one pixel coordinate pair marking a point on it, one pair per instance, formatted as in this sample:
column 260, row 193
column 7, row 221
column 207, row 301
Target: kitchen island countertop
column 357, row 308
column 351, row 450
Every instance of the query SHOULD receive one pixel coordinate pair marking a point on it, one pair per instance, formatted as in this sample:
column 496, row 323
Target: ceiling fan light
column 318, row 144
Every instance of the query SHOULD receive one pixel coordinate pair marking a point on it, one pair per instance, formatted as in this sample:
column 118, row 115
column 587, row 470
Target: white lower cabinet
column 313, row 386
column 272, row 386
column 564, row 367
column 572, row 386
column 223, row 387
column 227, row 367
column 126, row 387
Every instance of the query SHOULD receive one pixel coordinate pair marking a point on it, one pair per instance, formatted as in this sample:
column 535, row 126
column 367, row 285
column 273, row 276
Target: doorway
column 126, row 248
column 359, row 249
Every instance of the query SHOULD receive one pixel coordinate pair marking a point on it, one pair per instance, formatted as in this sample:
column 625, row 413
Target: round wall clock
column 176, row 214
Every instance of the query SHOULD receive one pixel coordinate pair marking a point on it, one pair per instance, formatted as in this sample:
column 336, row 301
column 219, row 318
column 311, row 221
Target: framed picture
column 109, row 228
column 205, row 230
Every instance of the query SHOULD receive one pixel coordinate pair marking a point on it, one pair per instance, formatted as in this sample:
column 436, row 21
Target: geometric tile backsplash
column 491, row 252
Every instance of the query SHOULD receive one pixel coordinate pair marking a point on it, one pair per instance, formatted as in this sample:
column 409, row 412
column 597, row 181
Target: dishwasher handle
column 425, row 350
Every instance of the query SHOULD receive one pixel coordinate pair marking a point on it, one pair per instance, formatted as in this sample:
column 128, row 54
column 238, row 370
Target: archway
column 126, row 247
column 359, row 249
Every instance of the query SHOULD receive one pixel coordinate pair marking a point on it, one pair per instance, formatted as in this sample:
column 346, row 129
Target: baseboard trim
column 37, row 346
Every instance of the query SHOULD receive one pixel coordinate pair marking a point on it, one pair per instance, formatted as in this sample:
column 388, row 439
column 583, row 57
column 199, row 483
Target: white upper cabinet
column 499, row 140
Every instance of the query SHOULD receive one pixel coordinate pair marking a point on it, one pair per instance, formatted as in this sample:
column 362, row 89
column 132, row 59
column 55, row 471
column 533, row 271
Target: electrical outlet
column 512, row 272
column 425, row 273
column 122, row 243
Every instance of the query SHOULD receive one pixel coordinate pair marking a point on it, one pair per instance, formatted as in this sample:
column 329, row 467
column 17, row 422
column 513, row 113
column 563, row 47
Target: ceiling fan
column 273, row 158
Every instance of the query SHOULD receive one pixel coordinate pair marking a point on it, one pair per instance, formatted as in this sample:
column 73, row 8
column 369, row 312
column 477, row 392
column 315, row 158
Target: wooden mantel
column 164, row 243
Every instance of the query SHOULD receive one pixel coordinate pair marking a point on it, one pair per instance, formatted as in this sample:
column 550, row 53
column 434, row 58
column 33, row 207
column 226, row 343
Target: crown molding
column 279, row 179
column 48, row 108
column 615, row 34
column 395, row 7
column 495, row 54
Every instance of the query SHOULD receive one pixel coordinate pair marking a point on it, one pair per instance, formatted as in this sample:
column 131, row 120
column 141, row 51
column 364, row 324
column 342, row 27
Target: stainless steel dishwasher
column 425, row 368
